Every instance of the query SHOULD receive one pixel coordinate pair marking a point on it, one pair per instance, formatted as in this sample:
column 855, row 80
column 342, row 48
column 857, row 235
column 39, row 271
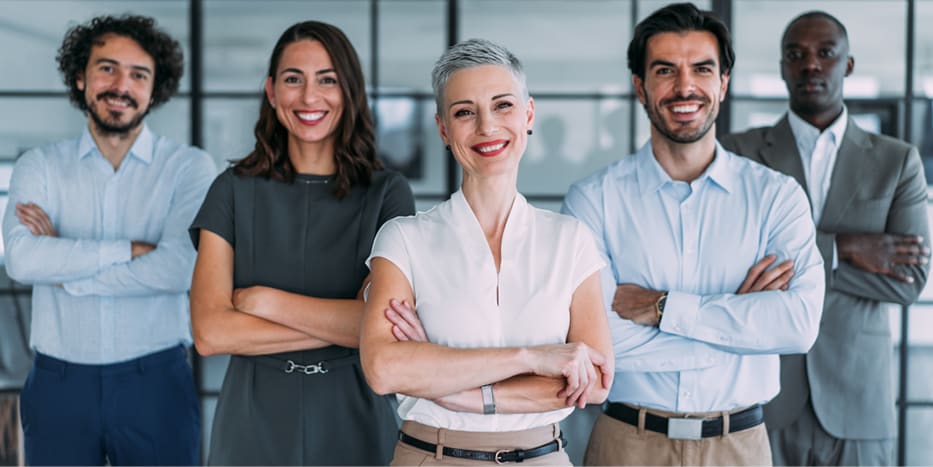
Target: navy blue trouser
column 140, row 412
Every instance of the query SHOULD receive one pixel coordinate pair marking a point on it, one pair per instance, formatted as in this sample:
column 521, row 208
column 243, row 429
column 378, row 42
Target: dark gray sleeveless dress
column 298, row 237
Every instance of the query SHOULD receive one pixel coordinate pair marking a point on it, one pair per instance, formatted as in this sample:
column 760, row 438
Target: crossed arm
column 261, row 320
column 526, row 379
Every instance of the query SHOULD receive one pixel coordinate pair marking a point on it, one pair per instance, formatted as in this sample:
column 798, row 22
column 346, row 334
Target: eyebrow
column 671, row 64
column 830, row 42
column 114, row 62
column 301, row 72
column 467, row 101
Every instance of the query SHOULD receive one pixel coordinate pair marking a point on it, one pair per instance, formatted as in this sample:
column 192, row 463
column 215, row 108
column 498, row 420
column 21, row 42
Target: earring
column 447, row 148
column 530, row 131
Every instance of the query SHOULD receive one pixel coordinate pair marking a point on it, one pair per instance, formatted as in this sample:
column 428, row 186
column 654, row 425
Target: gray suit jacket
column 877, row 185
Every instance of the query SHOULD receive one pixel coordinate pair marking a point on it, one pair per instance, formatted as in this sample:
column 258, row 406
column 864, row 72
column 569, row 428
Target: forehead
column 811, row 30
column 481, row 81
column 122, row 49
column 305, row 53
column 688, row 46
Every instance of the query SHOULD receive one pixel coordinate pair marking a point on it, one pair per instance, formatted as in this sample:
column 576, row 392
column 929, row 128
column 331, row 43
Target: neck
column 491, row 200
column 312, row 158
column 821, row 119
column 114, row 146
column 684, row 161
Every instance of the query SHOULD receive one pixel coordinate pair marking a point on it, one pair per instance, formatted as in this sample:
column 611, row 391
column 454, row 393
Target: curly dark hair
column 75, row 52
column 355, row 145
column 680, row 17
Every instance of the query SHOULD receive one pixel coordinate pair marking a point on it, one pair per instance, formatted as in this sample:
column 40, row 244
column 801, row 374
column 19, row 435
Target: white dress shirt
column 714, row 350
column 91, row 302
column 818, row 151
column 464, row 303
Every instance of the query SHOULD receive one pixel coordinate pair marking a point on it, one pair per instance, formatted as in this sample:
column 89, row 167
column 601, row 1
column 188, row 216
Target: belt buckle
column 685, row 428
column 499, row 453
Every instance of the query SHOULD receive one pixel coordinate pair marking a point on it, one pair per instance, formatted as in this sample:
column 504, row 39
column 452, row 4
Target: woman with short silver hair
column 485, row 314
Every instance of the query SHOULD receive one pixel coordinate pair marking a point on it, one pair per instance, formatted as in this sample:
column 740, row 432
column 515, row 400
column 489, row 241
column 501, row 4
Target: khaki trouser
column 479, row 441
column 617, row 443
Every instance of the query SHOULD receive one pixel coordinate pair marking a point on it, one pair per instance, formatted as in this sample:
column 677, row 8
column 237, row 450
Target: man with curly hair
column 97, row 225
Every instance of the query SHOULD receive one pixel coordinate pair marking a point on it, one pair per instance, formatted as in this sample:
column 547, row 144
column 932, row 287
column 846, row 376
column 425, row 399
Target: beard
column 675, row 132
column 110, row 124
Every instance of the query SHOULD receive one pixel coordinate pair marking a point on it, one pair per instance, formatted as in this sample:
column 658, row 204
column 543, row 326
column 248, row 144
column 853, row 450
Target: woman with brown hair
column 282, row 238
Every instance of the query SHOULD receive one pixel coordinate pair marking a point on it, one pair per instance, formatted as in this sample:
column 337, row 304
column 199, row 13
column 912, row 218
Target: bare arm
column 331, row 320
column 528, row 393
column 218, row 327
column 430, row 371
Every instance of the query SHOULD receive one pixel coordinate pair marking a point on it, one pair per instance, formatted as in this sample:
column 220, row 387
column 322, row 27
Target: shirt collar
column 651, row 176
column 142, row 148
column 803, row 130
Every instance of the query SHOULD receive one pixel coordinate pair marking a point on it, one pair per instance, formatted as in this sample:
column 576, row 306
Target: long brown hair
column 355, row 145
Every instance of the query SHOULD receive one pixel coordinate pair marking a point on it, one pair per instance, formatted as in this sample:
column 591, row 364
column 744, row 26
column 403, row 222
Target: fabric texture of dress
column 298, row 237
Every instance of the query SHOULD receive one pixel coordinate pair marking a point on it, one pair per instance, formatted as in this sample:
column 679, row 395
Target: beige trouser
column 478, row 441
column 617, row 443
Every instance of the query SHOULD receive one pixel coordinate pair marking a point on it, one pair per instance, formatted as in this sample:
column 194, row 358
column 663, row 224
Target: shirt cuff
column 114, row 252
column 680, row 313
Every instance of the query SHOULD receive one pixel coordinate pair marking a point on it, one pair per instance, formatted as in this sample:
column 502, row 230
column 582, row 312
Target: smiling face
column 683, row 86
column 306, row 95
column 117, row 84
column 485, row 120
column 815, row 60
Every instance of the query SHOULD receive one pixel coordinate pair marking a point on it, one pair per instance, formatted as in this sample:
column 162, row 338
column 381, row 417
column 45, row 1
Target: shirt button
column 686, row 394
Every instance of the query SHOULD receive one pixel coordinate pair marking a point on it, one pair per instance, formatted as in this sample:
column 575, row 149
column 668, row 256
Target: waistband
column 306, row 368
column 160, row 358
column 484, row 440
column 687, row 427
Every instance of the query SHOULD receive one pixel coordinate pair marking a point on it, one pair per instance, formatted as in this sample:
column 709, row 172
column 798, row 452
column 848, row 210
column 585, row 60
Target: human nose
column 311, row 93
column 811, row 62
column 121, row 83
column 486, row 122
column 684, row 84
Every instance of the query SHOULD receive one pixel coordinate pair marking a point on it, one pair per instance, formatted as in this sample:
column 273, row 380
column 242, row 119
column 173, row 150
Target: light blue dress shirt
column 714, row 350
column 91, row 303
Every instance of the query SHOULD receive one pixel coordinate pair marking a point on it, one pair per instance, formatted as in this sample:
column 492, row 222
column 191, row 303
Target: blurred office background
column 587, row 115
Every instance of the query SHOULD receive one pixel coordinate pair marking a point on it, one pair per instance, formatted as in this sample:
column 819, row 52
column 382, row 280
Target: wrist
column 659, row 306
column 489, row 399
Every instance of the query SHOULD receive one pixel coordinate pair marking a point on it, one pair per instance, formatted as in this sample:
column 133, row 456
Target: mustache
column 114, row 95
column 685, row 99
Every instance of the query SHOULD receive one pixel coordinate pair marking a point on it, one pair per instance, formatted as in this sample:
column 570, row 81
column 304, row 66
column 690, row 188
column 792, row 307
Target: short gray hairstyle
column 471, row 53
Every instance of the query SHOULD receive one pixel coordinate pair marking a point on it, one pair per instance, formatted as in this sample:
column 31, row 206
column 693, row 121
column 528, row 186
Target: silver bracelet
column 489, row 399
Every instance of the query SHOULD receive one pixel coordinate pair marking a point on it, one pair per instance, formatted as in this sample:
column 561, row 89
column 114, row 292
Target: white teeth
column 492, row 148
column 117, row 102
column 311, row 116
column 685, row 108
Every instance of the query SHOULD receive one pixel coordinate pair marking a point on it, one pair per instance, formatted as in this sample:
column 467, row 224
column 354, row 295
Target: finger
column 43, row 217
column 399, row 335
column 415, row 327
column 398, row 322
column 596, row 357
column 909, row 259
column 754, row 272
column 907, row 239
column 606, row 376
column 782, row 282
column 769, row 276
column 898, row 276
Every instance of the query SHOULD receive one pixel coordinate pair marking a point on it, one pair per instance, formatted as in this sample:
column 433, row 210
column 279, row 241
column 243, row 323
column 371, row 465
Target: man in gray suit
column 868, row 196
